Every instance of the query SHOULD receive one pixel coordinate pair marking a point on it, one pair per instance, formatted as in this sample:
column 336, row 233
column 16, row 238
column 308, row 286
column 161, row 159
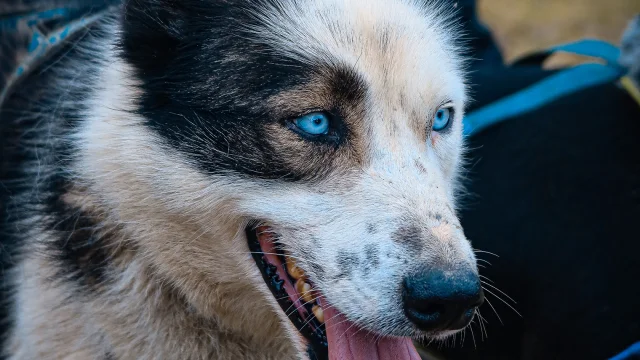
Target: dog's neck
column 135, row 308
column 148, row 280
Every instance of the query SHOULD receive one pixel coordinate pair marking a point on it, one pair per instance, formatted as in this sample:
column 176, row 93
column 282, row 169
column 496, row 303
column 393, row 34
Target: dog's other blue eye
column 442, row 119
column 313, row 124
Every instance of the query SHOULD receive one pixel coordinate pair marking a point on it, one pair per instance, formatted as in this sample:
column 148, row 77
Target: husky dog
column 240, row 179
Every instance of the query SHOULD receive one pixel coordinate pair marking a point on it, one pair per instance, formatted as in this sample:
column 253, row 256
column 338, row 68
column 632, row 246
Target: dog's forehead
column 403, row 49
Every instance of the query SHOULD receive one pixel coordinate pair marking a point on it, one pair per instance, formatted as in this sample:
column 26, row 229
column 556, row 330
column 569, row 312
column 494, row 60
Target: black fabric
column 489, row 84
column 483, row 48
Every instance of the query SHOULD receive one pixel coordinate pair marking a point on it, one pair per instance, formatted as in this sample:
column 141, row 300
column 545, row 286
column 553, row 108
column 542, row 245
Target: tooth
column 319, row 314
column 264, row 233
column 308, row 296
column 293, row 269
column 304, row 290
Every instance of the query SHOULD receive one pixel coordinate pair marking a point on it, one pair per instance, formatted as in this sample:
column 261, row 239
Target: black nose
column 441, row 300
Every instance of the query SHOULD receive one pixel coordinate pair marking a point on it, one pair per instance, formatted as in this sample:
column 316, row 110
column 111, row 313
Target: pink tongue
column 348, row 342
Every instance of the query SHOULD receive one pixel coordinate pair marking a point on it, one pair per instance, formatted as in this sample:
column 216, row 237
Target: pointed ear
column 152, row 32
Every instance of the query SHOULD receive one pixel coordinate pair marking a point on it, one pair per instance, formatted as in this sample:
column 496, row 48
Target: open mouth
column 329, row 334
column 291, row 288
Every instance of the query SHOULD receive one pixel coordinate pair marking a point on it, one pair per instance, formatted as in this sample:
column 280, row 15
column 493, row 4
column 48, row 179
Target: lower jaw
column 344, row 340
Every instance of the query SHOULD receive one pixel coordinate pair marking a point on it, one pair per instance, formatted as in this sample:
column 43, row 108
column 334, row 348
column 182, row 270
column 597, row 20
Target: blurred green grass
column 521, row 26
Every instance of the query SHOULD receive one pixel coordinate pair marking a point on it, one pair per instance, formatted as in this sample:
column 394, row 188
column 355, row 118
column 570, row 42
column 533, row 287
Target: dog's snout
column 441, row 300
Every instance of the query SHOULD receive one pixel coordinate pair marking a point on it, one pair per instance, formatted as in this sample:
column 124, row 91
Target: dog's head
column 325, row 134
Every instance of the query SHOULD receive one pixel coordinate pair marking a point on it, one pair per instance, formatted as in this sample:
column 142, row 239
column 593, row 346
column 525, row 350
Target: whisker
column 494, row 311
column 304, row 293
column 482, row 317
column 473, row 337
column 477, row 322
column 336, row 324
column 485, row 252
column 464, row 336
column 360, row 329
column 298, row 307
column 482, row 324
column 346, row 331
column 430, row 342
column 504, row 302
column 486, row 278
column 481, row 327
column 311, row 317
column 500, row 291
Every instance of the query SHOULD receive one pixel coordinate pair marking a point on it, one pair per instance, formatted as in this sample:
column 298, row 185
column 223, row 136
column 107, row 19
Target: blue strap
column 561, row 84
column 547, row 90
column 41, row 45
column 14, row 23
column 629, row 354
column 589, row 47
column 593, row 48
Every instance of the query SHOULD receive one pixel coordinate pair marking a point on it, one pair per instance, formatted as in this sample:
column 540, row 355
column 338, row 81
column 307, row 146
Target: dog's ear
column 152, row 32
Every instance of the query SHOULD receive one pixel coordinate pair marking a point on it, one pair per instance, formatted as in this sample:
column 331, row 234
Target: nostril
column 424, row 311
column 433, row 309
column 426, row 306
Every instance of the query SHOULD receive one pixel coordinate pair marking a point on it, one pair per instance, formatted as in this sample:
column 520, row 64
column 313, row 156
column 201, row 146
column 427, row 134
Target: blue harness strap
column 14, row 23
column 589, row 47
column 633, row 352
column 561, row 84
column 42, row 45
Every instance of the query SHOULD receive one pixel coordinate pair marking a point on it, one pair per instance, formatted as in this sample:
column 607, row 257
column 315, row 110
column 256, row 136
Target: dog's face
column 335, row 125
column 372, row 202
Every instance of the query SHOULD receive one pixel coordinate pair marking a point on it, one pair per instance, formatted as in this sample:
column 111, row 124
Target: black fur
column 410, row 235
column 203, row 78
column 27, row 190
column 348, row 261
column 82, row 245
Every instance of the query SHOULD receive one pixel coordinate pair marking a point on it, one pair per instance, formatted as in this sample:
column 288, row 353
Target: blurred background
column 520, row 26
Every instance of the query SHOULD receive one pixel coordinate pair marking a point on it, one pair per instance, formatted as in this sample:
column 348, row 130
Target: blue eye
column 442, row 118
column 313, row 124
